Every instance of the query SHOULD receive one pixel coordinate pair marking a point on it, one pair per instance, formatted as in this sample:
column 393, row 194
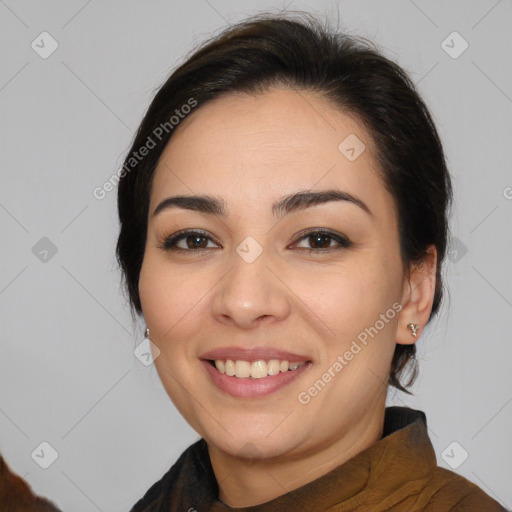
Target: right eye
column 194, row 241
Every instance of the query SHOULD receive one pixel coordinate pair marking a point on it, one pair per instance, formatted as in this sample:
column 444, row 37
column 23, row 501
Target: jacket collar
column 401, row 460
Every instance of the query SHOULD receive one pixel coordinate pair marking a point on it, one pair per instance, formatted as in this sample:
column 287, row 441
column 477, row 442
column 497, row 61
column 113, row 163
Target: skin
column 250, row 150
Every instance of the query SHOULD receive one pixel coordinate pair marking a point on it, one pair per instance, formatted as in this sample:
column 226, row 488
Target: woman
column 283, row 216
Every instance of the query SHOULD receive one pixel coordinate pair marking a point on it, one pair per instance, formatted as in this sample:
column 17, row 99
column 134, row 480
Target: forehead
column 270, row 144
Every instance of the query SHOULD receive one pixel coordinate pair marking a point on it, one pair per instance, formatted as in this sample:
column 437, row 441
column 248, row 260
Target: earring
column 146, row 334
column 414, row 328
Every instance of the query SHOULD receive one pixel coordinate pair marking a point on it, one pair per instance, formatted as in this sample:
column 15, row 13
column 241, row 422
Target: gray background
column 68, row 375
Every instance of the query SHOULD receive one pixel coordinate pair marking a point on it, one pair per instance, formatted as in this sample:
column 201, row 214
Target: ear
column 417, row 298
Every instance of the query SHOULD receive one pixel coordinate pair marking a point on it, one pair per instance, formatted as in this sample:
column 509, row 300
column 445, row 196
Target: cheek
column 152, row 292
column 176, row 303
column 167, row 297
column 341, row 301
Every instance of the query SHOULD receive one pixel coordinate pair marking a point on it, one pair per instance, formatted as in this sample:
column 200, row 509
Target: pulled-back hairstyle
column 300, row 53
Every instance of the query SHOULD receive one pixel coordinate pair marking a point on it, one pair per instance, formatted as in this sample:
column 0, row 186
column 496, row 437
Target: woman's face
column 247, row 287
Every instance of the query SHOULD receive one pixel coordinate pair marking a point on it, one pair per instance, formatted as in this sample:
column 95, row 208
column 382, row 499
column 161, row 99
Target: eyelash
column 169, row 243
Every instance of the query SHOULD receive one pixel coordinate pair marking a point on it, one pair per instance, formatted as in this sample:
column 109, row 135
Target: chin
column 254, row 445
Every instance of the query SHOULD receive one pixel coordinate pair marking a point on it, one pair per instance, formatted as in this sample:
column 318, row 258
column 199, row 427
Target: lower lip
column 249, row 387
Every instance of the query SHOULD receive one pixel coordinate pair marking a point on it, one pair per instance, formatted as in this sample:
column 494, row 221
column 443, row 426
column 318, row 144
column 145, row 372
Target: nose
column 250, row 293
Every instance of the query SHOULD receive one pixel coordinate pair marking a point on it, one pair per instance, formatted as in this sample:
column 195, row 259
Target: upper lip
column 252, row 354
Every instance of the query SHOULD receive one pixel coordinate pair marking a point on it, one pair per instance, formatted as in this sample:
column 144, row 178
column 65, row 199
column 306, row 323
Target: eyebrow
column 287, row 204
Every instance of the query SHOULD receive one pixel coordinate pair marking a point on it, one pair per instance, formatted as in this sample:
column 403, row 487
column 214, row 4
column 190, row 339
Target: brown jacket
column 398, row 473
column 16, row 495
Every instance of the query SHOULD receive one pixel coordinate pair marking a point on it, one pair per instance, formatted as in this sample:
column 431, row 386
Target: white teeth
column 219, row 365
column 243, row 369
column 256, row 369
column 273, row 367
column 229, row 368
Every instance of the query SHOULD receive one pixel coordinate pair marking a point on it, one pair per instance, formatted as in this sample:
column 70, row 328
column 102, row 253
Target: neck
column 245, row 483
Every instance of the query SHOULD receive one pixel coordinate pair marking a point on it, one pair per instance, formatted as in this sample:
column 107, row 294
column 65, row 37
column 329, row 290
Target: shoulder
column 449, row 491
column 421, row 484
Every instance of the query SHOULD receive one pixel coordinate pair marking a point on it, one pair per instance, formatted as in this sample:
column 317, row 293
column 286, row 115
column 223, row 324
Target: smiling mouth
column 255, row 369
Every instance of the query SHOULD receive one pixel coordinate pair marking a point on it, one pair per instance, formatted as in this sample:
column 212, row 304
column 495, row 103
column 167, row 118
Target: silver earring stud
column 146, row 334
column 414, row 328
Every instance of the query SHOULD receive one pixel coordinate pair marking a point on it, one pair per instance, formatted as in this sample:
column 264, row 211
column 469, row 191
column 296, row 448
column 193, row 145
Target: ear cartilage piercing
column 414, row 328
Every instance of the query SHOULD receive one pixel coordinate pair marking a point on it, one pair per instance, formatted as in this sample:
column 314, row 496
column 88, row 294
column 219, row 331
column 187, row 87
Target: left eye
column 323, row 239
column 319, row 240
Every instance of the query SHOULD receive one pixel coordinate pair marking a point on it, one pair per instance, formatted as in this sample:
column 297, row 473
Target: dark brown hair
column 301, row 53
